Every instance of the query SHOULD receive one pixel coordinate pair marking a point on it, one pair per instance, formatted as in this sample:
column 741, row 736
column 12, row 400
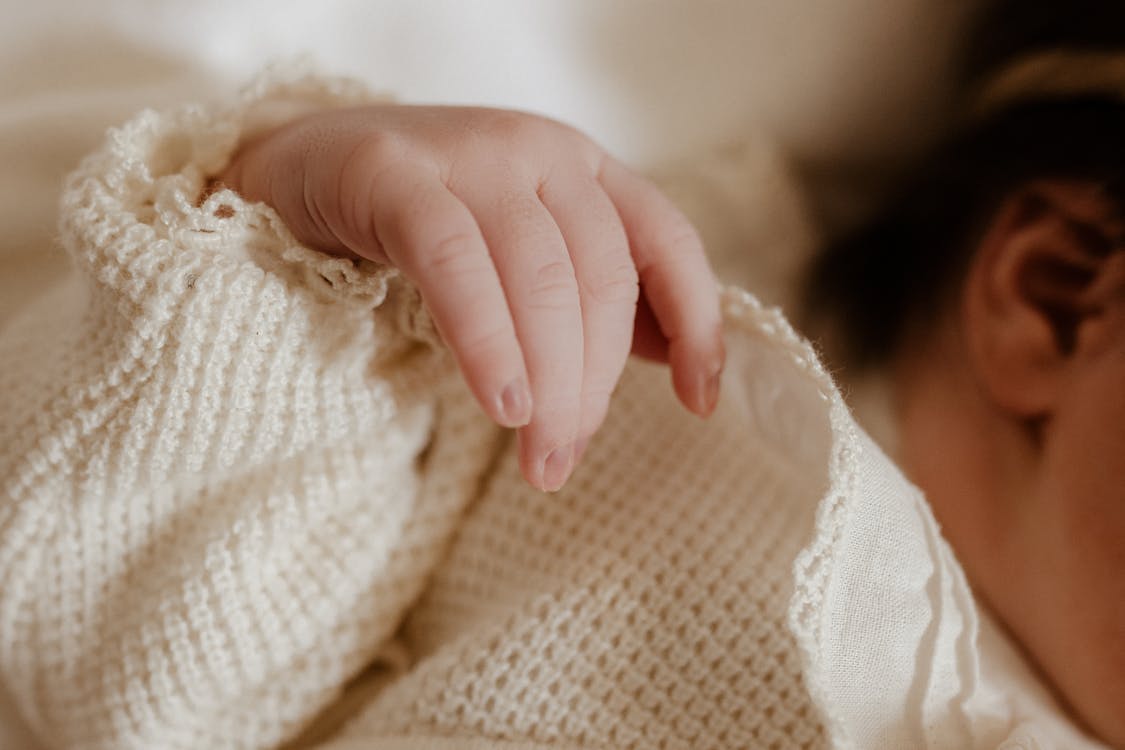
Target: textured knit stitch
column 246, row 502
column 214, row 518
column 217, row 519
column 641, row 607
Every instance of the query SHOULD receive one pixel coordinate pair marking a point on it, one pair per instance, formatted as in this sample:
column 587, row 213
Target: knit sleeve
column 227, row 462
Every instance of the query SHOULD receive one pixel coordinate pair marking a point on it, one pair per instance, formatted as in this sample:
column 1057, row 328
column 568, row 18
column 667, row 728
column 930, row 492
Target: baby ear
column 1033, row 295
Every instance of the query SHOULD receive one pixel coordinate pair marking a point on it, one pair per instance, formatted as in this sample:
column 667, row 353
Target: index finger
column 432, row 236
column 677, row 282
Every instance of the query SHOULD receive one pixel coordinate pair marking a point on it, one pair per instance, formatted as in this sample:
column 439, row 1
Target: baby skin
column 542, row 259
column 544, row 262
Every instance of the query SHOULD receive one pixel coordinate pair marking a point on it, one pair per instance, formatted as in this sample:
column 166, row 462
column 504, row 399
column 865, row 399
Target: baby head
column 991, row 291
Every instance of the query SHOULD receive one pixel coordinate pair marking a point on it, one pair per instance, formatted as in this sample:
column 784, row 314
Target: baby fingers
column 607, row 283
column 539, row 281
column 432, row 236
column 677, row 284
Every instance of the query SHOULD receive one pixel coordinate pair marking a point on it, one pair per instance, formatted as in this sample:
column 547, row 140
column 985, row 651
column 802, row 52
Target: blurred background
column 846, row 89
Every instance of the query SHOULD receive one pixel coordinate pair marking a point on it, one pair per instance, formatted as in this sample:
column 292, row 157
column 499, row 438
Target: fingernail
column 709, row 392
column 515, row 404
column 711, row 399
column 557, row 467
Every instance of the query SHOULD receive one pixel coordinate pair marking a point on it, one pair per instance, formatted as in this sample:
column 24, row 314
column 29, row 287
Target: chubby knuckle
column 676, row 238
column 374, row 160
column 666, row 269
column 452, row 254
column 560, row 133
column 376, row 149
column 617, row 285
column 523, row 130
column 486, row 344
column 677, row 261
column 509, row 127
column 554, row 286
column 682, row 239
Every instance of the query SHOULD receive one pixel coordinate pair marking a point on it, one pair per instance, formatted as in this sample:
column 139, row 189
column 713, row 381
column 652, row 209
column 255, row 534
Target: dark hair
column 1010, row 29
column 887, row 278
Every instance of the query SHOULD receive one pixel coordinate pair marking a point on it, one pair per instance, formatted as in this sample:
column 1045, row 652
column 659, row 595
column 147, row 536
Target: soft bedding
column 56, row 112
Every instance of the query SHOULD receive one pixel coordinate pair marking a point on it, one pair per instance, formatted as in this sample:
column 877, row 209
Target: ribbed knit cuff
column 137, row 213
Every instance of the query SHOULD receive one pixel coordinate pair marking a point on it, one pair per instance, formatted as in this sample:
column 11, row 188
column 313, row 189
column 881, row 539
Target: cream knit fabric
column 212, row 514
column 246, row 502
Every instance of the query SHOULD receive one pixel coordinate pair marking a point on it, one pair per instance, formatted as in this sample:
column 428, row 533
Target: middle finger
column 607, row 282
column 542, row 292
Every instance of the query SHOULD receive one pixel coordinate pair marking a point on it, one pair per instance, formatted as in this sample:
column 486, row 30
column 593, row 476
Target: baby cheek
column 1084, row 487
column 1087, row 468
column 1077, row 526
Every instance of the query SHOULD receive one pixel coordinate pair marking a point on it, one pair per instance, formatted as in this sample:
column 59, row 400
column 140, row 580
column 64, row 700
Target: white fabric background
column 651, row 78
column 833, row 80
column 654, row 80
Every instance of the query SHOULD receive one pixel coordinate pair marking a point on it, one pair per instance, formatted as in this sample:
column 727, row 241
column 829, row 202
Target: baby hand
column 529, row 245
